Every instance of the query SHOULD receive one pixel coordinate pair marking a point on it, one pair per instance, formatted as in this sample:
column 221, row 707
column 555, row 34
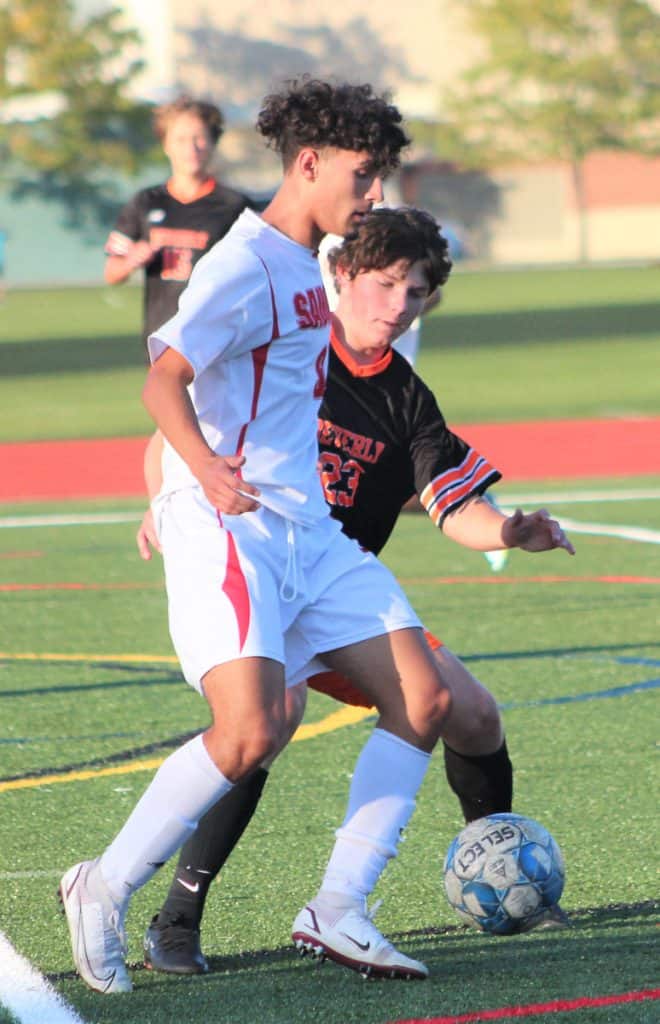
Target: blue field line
column 647, row 662
column 606, row 651
column 614, row 691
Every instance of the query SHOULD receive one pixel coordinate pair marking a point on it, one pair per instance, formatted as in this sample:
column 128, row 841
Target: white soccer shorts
column 257, row 585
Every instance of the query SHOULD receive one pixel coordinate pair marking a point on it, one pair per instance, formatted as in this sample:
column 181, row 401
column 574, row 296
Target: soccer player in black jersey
column 382, row 438
column 166, row 228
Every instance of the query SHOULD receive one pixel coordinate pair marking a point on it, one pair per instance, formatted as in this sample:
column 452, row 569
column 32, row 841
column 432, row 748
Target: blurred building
column 235, row 51
column 529, row 214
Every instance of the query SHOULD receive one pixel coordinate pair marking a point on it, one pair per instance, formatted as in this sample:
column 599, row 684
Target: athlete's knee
column 482, row 729
column 427, row 711
column 487, row 717
column 475, row 725
column 240, row 752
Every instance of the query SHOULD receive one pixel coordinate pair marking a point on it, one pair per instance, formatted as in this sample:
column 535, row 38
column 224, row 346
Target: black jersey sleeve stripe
column 450, row 489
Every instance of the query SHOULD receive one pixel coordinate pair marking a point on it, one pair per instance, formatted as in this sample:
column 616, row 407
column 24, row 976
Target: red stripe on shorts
column 236, row 589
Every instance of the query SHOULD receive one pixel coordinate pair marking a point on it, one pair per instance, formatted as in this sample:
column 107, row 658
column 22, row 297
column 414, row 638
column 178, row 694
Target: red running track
column 52, row 470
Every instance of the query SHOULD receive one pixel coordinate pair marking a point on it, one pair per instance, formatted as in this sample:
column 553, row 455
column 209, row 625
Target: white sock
column 387, row 776
column 182, row 790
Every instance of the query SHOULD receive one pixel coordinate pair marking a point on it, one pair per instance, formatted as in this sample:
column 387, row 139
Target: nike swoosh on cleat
column 190, row 886
column 108, row 981
column 364, row 946
column 68, row 891
column 315, row 923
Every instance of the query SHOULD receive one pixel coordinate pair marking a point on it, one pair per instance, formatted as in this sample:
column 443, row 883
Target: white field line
column 637, row 533
column 26, row 993
column 8, row 876
column 82, row 519
column 576, row 497
column 503, row 497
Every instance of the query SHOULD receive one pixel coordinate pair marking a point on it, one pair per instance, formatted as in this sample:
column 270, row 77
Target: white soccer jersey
column 253, row 324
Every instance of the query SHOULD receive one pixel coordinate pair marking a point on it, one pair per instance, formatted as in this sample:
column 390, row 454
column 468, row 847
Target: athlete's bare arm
column 476, row 524
column 166, row 397
column 147, row 537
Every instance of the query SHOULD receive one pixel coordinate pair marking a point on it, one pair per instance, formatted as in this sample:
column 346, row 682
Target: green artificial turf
column 502, row 346
column 573, row 662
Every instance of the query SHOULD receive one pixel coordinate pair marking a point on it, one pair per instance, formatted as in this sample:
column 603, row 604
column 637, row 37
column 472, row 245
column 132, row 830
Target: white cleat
column 497, row 559
column 96, row 927
column 348, row 936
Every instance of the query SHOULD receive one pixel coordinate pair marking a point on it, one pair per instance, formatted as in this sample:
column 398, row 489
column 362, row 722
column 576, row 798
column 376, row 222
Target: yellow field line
column 81, row 776
column 156, row 659
column 346, row 715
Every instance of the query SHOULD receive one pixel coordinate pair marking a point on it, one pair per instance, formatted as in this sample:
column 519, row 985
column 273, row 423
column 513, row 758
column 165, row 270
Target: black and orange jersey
column 382, row 438
column 182, row 232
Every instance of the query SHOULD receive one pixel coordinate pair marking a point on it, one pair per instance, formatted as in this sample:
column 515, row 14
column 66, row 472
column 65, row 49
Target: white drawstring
column 289, row 587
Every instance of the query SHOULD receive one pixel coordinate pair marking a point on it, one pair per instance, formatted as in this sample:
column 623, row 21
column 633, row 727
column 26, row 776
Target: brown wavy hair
column 386, row 236
column 208, row 113
column 309, row 112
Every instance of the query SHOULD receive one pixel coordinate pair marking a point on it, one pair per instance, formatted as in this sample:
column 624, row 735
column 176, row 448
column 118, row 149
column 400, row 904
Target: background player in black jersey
column 382, row 439
column 166, row 228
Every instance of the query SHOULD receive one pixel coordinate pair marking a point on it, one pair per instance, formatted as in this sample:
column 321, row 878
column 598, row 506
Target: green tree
column 83, row 127
column 557, row 80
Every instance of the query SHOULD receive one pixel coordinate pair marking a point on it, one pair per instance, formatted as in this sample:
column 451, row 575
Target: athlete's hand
column 141, row 253
column 535, row 531
column 146, row 537
column 224, row 487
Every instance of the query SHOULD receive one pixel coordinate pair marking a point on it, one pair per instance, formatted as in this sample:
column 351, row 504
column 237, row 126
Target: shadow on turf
column 541, row 326
column 521, row 327
column 171, row 742
column 169, row 678
column 498, row 950
column 41, row 691
column 52, row 356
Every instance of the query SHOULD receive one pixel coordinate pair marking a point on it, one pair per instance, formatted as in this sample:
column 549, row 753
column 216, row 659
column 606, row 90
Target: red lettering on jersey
column 340, row 479
column 176, row 264
column 359, row 446
column 179, row 238
column 302, row 312
column 319, row 387
column 176, row 246
column 311, row 307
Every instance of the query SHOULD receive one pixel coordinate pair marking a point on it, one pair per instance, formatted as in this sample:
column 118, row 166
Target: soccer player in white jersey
column 258, row 574
column 381, row 438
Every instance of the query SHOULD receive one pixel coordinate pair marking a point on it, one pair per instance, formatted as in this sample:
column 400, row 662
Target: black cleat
column 173, row 947
column 548, row 919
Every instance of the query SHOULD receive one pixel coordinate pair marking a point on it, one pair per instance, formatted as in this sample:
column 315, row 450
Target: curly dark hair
column 386, row 236
column 309, row 112
column 208, row 113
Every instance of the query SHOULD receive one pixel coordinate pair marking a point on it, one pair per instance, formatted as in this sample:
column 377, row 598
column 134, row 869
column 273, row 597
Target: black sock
column 206, row 851
column 482, row 783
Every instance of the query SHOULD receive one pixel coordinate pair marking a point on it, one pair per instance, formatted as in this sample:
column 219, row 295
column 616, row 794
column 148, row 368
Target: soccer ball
column 502, row 872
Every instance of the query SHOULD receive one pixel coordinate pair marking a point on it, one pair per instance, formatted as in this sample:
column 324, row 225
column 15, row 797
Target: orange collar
column 205, row 188
column 359, row 369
